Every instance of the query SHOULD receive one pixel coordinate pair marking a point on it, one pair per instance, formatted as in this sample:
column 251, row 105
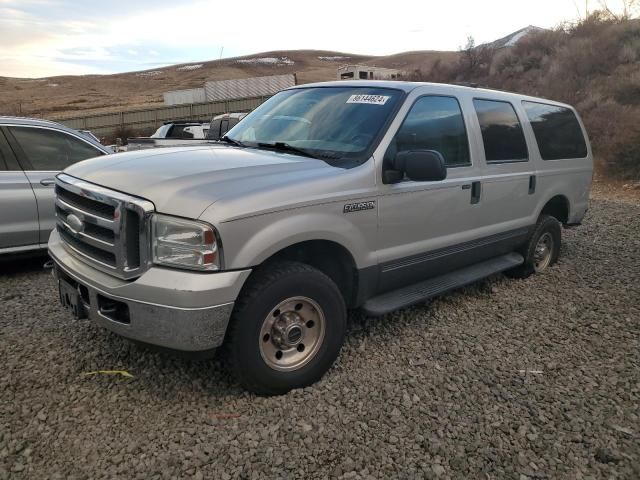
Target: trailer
column 220, row 90
column 183, row 97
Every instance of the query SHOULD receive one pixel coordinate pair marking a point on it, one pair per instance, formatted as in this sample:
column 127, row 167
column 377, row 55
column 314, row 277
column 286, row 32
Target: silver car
column 32, row 152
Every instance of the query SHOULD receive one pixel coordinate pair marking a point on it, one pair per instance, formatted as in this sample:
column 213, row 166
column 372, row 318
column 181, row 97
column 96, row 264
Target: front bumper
column 171, row 308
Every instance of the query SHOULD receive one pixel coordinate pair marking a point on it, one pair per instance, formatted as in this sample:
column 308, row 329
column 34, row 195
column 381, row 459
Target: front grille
column 105, row 228
column 86, row 204
column 101, row 233
column 100, row 255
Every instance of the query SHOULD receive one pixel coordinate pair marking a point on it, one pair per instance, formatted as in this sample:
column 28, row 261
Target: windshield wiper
column 285, row 147
column 231, row 141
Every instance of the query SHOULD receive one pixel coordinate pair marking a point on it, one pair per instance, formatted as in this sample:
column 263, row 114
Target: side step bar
column 416, row 293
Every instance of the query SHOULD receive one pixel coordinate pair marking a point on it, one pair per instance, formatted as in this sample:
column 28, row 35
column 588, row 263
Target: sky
column 41, row 38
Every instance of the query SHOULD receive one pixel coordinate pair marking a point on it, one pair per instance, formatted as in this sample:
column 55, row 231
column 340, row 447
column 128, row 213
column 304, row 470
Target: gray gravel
column 537, row 378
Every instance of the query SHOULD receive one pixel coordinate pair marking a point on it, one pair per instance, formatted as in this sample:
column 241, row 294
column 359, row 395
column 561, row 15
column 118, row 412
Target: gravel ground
column 536, row 378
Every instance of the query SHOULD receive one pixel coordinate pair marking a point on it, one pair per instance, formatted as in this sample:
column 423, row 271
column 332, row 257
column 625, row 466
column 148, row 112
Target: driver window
column 51, row 150
column 435, row 123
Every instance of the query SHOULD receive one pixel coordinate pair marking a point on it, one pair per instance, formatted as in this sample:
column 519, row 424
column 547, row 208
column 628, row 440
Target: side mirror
column 417, row 165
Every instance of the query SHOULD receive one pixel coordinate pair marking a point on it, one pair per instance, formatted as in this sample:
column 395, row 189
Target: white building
column 367, row 72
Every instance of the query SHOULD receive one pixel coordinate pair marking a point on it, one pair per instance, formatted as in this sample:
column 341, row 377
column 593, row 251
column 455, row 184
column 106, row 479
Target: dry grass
column 67, row 96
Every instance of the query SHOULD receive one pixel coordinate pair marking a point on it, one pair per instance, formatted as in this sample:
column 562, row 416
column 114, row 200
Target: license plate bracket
column 71, row 300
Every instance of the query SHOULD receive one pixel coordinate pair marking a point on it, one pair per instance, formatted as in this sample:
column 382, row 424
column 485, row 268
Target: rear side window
column 178, row 131
column 436, row 123
column 51, row 150
column 557, row 131
column 501, row 131
column 224, row 126
column 214, row 130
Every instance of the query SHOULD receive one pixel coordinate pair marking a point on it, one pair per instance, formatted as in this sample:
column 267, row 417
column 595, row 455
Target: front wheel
column 287, row 328
column 542, row 248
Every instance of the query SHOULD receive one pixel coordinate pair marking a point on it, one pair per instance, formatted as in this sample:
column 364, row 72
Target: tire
column 283, row 306
column 548, row 230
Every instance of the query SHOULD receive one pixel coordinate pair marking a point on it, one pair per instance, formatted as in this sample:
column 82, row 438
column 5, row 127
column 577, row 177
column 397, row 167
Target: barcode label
column 369, row 99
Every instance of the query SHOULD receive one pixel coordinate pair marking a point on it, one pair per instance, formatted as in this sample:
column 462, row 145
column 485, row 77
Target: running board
column 418, row 292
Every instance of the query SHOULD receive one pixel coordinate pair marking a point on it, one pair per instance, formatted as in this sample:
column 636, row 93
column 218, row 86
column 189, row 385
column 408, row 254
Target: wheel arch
column 558, row 206
column 328, row 256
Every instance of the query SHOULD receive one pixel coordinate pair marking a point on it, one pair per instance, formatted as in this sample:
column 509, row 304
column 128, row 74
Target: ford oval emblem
column 74, row 223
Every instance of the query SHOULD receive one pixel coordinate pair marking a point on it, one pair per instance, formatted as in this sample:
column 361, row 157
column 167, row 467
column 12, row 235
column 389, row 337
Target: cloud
column 40, row 36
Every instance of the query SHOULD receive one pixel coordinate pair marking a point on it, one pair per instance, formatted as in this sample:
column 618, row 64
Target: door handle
column 476, row 189
column 532, row 184
column 47, row 182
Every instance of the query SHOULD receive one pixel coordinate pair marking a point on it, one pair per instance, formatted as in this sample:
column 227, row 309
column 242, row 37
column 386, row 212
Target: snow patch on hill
column 188, row 68
column 267, row 61
column 333, row 58
column 152, row 73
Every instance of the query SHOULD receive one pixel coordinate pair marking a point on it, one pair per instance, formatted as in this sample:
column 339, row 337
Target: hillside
column 593, row 65
column 65, row 96
column 513, row 38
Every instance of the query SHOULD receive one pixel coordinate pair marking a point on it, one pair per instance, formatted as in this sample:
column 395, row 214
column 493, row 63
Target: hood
column 185, row 181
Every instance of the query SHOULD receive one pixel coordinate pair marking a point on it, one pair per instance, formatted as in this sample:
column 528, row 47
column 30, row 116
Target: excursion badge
column 358, row 206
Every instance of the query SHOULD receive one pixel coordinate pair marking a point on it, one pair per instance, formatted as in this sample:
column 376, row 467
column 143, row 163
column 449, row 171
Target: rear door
column 18, row 211
column 509, row 190
column 43, row 152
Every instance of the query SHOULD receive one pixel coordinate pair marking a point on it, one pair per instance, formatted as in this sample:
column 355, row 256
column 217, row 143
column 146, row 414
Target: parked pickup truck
column 355, row 194
column 189, row 133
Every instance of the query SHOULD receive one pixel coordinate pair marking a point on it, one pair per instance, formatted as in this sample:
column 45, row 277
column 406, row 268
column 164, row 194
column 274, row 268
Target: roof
column 29, row 121
column 238, row 115
column 37, row 122
column 441, row 88
column 366, row 67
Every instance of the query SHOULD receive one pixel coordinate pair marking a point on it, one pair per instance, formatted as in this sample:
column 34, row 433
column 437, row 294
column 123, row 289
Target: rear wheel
column 287, row 328
column 542, row 248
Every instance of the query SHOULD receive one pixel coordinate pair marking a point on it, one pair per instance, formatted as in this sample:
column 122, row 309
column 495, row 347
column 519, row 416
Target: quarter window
column 436, row 123
column 50, row 150
column 557, row 131
column 501, row 131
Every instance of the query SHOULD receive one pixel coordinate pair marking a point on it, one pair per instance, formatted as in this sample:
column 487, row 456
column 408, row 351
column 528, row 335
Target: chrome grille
column 105, row 228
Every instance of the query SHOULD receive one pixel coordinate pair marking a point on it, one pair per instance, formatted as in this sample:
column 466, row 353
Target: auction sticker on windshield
column 369, row 99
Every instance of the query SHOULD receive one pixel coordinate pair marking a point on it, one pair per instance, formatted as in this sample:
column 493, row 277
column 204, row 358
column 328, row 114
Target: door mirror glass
column 421, row 165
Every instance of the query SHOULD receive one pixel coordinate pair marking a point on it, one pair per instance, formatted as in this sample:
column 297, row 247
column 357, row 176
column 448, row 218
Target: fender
column 273, row 233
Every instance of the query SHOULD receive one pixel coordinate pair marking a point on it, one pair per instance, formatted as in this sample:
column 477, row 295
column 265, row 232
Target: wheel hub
column 292, row 333
column 287, row 330
column 542, row 252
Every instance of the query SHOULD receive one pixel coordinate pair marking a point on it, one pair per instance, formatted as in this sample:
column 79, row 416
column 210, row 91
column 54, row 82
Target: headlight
column 184, row 243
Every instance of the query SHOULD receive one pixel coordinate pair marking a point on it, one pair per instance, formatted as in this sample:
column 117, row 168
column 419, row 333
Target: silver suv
column 32, row 152
column 333, row 196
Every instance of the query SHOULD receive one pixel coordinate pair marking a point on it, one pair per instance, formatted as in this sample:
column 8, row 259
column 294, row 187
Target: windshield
column 337, row 124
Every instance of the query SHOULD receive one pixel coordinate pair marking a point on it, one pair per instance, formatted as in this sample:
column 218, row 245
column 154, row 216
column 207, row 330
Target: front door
column 18, row 212
column 43, row 152
column 429, row 228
